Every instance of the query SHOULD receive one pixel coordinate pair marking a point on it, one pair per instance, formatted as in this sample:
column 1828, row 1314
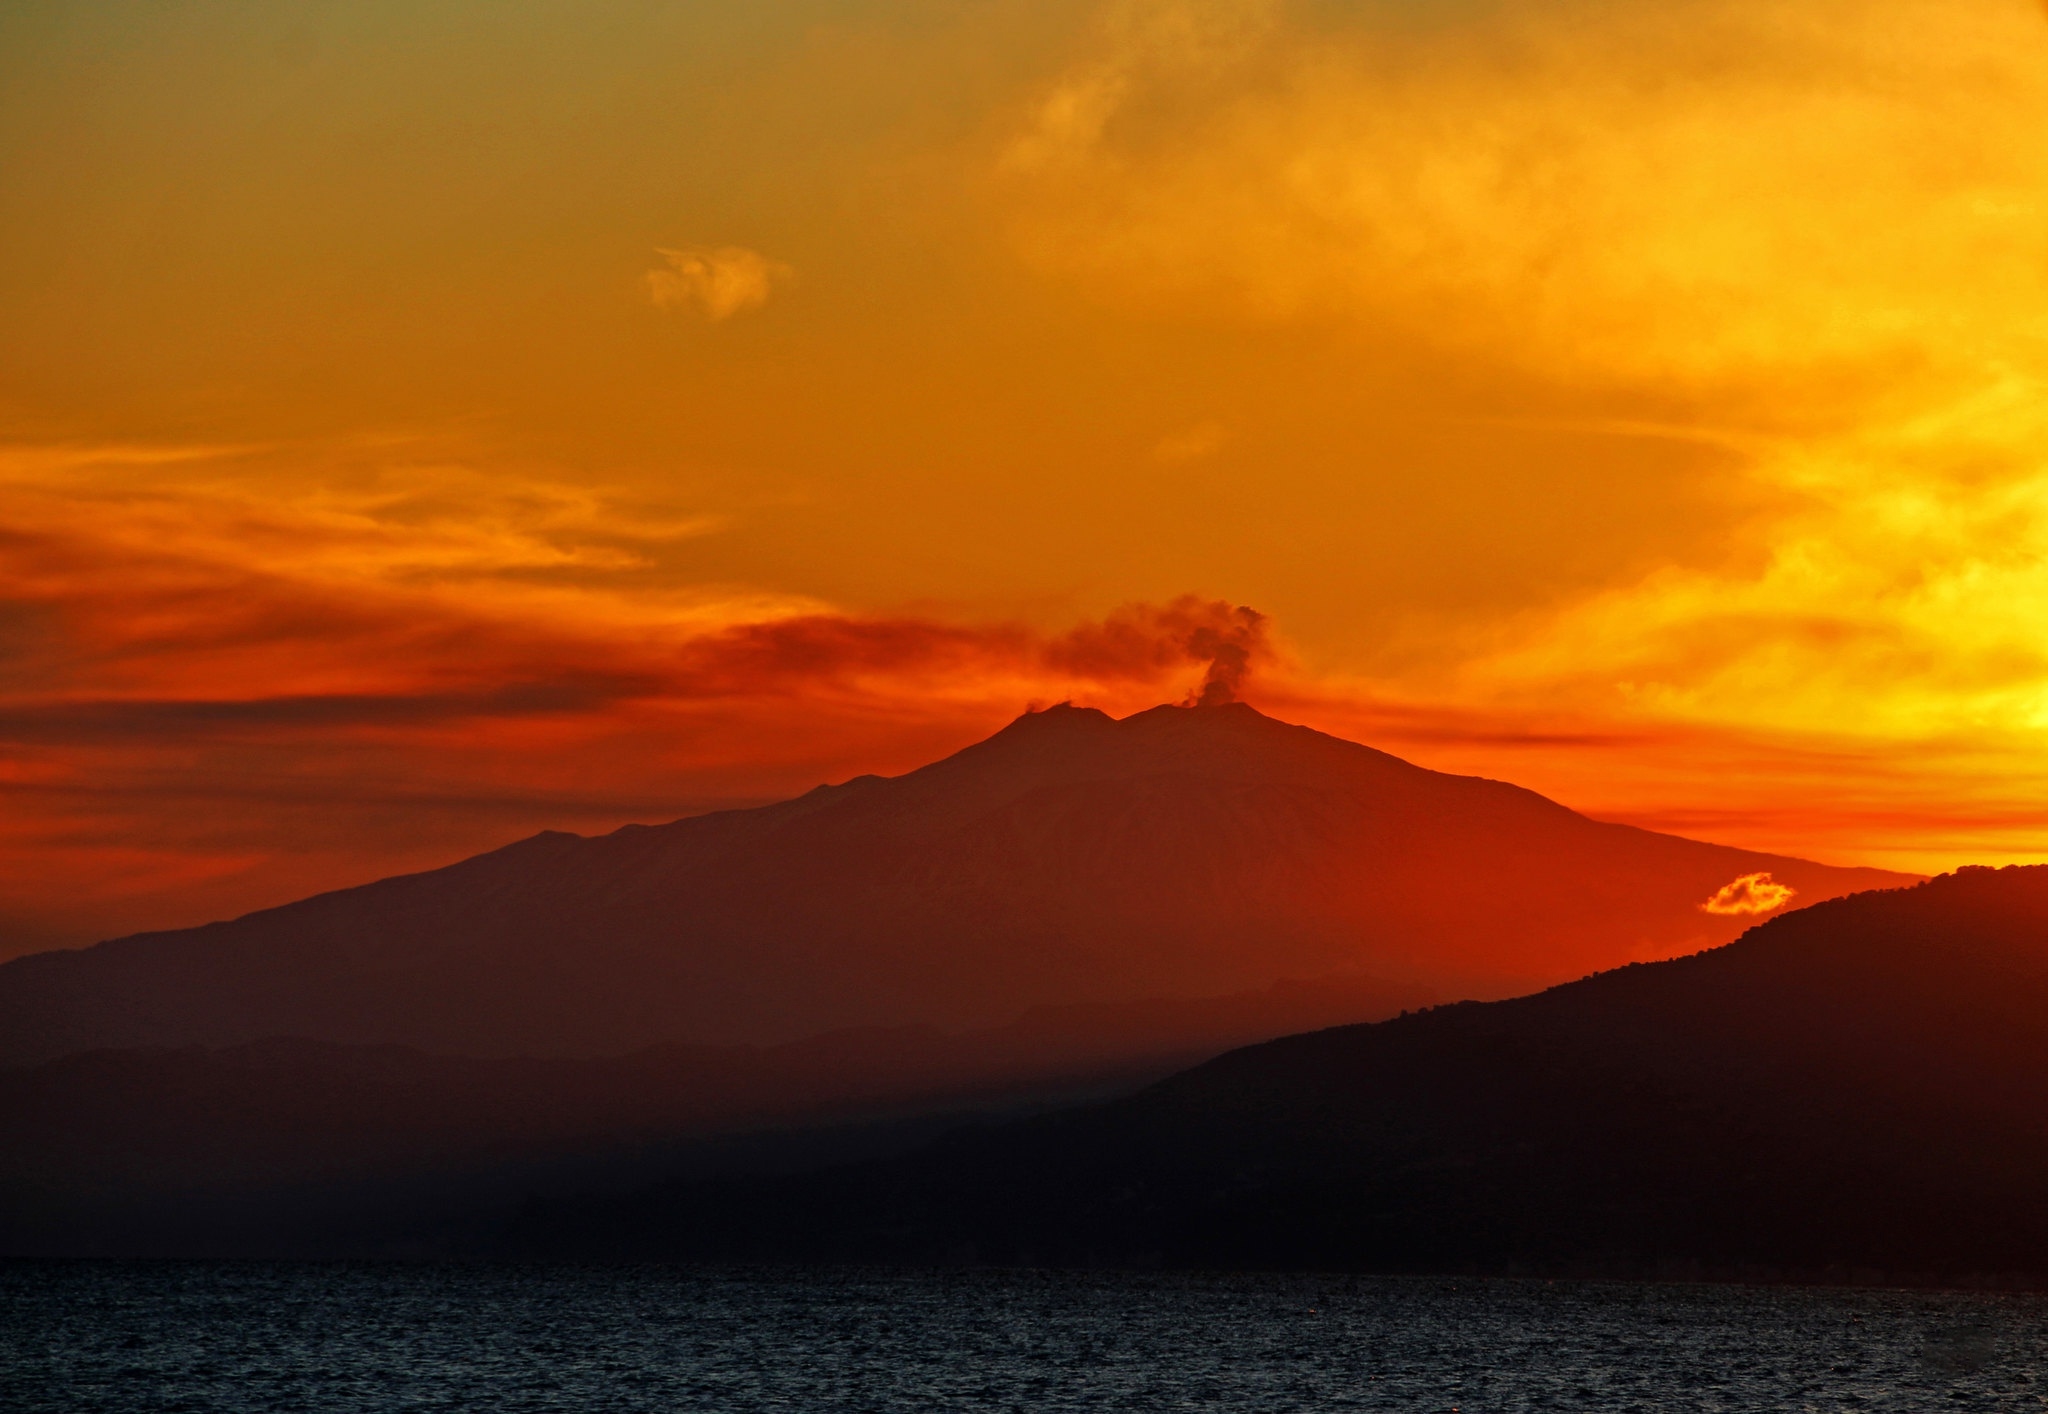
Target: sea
column 208, row 1336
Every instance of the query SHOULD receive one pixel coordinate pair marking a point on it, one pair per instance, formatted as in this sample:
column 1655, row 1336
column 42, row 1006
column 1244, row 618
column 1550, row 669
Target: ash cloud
column 1143, row 641
column 1229, row 650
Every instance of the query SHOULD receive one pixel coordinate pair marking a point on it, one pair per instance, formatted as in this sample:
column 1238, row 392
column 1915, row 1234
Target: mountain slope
column 1071, row 858
column 292, row 1147
column 1858, row 1089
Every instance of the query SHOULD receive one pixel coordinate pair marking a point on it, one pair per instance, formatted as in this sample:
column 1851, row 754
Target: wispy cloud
column 1807, row 236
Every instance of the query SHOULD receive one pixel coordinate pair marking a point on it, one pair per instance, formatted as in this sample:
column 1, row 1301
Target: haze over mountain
column 1857, row 1090
column 288, row 1147
column 1069, row 859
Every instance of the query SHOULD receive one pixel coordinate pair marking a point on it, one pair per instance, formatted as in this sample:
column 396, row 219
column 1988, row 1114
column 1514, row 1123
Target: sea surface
column 195, row 1336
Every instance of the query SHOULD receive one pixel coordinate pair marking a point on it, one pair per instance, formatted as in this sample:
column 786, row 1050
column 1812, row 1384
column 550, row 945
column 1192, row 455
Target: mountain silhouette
column 292, row 1147
column 1857, row 1090
column 1070, row 859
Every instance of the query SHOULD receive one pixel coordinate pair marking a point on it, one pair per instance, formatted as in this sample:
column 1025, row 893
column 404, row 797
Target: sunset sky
column 425, row 423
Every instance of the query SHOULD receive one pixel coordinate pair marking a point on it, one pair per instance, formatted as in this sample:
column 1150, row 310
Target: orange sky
column 425, row 423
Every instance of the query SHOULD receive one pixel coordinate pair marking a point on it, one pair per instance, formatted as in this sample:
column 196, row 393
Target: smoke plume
column 1146, row 640
column 1229, row 648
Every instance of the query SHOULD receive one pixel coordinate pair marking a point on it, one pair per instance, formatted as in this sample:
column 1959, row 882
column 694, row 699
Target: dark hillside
column 1857, row 1089
column 295, row 1147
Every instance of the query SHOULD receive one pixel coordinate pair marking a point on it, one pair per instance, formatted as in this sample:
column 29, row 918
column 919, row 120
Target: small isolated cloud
column 720, row 282
column 1752, row 893
column 1204, row 439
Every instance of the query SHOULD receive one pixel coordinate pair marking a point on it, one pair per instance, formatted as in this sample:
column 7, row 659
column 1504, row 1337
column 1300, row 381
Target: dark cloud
column 142, row 719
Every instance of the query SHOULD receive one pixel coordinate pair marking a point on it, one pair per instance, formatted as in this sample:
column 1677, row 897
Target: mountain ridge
column 1071, row 857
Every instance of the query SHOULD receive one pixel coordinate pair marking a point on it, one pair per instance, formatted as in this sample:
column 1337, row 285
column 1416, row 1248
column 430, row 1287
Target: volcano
column 1072, row 859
